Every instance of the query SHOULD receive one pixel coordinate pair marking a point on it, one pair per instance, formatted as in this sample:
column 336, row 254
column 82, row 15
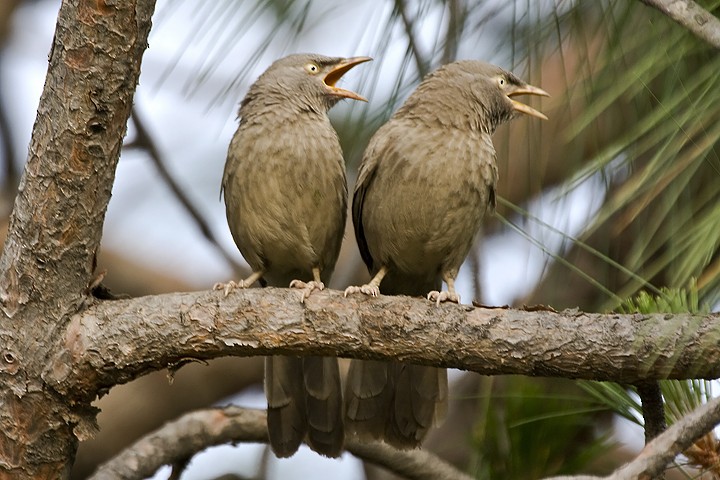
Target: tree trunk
column 48, row 260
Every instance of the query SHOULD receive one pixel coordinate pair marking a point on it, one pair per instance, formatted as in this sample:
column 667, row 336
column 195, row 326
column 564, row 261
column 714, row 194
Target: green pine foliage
column 680, row 396
column 533, row 428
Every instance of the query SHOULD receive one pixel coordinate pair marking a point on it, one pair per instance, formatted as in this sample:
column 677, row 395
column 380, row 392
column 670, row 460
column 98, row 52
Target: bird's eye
column 502, row 82
column 312, row 68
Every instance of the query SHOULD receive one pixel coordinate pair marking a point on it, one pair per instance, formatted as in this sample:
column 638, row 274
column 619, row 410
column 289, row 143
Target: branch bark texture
column 691, row 16
column 57, row 220
column 115, row 341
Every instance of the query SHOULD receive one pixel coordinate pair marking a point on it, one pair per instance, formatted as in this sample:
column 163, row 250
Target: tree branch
column 657, row 454
column 57, row 220
column 198, row 430
column 692, row 16
column 48, row 258
column 146, row 142
column 201, row 429
column 421, row 63
column 115, row 341
column 457, row 13
column 653, row 409
column 9, row 155
column 677, row 438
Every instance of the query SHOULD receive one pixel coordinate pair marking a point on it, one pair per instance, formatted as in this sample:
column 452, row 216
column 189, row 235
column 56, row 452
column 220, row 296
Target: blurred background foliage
column 633, row 135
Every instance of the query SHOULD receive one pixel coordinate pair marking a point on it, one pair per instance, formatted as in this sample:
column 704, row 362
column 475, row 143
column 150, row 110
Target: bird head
column 305, row 81
column 475, row 94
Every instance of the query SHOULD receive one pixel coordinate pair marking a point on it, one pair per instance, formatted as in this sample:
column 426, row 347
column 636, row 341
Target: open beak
column 338, row 71
column 521, row 107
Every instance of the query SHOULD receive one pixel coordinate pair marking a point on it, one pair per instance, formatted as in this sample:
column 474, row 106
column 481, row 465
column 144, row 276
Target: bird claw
column 307, row 288
column 229, row 286
column 367, row 289
column 444, row 296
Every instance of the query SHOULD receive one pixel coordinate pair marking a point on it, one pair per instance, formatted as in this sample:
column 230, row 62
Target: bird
column 286, row 203
column 427, row 178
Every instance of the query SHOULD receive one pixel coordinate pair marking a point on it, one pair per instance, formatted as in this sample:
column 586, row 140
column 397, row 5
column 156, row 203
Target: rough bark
column 653, row 409
column 115, row 341
column 56, row 225
column 691, row 16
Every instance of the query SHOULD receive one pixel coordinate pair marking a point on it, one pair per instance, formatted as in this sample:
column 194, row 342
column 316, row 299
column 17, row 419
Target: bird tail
column 420, row 403
column 304, row 399
column 396, row 401
column 286, row 419
column 368, row 396
column 326, row 434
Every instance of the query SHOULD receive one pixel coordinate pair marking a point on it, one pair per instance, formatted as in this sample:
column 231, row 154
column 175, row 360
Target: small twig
column 691, row 16
column 145, row 141
column 474, row 264
column 178, row 467
column 264, row 463
column 198, row 430
column 422, row 65
column 12, row 176
column 653, row 409
column 455, row 27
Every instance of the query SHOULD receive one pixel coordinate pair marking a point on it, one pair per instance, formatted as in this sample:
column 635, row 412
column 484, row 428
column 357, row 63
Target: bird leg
column 307, row 288
column 448, row 295
column 372, row 288
column 245, row 283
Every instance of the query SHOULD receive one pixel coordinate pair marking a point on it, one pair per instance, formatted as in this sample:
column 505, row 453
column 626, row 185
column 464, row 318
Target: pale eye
column 502, row 82
column 312, row 68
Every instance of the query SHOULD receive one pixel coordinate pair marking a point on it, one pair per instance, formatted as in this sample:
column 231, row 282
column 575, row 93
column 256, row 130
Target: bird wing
column 365, row 176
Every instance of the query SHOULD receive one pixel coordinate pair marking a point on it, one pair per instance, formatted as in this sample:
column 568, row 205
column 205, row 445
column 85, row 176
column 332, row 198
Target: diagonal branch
column 115, row 341
column 421, row 63
column 679, row 437
column 692, row 16
column 658, row 454
column 201, row 429
column 57, row 219
column 198, row 430
column 145, row 141
column 48, row 259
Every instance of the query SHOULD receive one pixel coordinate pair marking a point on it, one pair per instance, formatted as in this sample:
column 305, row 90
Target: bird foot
column 368, row 289
column 444, row 296
column 229, row 286
column 307, row 288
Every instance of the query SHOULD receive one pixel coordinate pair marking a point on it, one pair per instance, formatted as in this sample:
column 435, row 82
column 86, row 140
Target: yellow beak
column 338, row 71
column 521, row 107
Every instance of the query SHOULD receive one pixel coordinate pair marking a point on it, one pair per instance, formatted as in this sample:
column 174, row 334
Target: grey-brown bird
column 426, row 180
column 286, row 200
